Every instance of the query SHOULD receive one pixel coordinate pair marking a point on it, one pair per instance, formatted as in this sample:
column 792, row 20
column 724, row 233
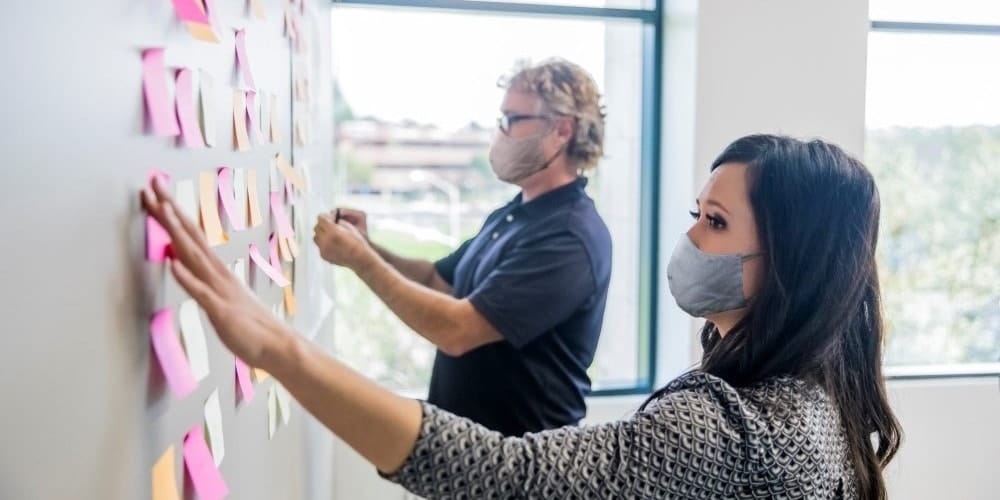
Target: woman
column 788, row 402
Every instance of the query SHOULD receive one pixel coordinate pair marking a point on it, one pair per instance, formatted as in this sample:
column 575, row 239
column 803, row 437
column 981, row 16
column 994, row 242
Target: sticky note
column 213, row 426
column 240, row 194
column 243, row 59
column 258, row 9
column 190, row 131
column 243, row 382
column 164, row 477
column 185, row 198
column 301, row 132
column 284, row 404
column 290, row 172
column 293, row 247
column 253, row 204
column 228, row 198
column 194, row 339
column 170, row 354
column 191, row 11
column 205, row 476
column 284, row 251
column 240, row 121
column 210, row 221
column 207, row 107
column 273, row 114
column 266, row 267
column 252, row 109
column 272, row 412
column 240, row 271
column 291, row 307
column 272, row 246
column 203, row 32
column 260, row 375
column 154, row 89
column 157, row 241
column 281, row 216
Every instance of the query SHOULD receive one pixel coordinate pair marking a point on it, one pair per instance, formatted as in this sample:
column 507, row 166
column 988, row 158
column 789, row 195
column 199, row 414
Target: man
column 516, row 311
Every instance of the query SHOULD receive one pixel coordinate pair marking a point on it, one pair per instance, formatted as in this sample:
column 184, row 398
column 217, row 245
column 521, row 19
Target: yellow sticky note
column 290, row 305
column 240, row 121
column 210, row 221
column 203, row 32
column 275, row 133
column 164, row 479
column 254, row 210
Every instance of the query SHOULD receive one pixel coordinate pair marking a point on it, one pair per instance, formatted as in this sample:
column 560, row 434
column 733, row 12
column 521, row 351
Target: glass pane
column 936, row 11
column 414, row 124
column 933, row 143
column 611, row 4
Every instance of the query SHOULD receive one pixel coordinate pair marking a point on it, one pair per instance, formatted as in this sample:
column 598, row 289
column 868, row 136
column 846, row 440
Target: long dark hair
column 817, row 314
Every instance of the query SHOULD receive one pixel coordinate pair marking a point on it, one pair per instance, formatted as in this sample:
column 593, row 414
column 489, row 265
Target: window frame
column 651, row 21
column 947, row 371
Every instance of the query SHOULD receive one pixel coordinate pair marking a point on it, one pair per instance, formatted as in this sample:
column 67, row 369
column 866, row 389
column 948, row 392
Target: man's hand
column 356, row 218
column 342, row 243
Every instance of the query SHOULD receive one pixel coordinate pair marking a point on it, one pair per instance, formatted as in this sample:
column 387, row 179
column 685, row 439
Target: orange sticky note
column 254, row 210
column 210, row 220
column 301, row 134
column 290, row 305
column 275, row 133
column 258, row 9
column 290, row 172
column 260, row 375
column 240, row 121
column 164, row 478
column 203, row 32
column 284, row 251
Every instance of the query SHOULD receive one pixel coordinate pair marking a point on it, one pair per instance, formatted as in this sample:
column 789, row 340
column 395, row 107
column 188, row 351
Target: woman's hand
column 249, row 330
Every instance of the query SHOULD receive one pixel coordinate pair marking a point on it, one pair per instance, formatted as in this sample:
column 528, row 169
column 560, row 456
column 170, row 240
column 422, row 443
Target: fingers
column 207, row 298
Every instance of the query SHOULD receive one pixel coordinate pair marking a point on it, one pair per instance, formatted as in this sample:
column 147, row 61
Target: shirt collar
column 552, row 199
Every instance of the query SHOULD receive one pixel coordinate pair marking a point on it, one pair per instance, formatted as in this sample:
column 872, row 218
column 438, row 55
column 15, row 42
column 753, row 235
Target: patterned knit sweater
column 701, row 439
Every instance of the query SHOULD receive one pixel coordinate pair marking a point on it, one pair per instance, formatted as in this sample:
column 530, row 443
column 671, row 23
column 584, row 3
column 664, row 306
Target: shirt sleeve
column 535, row 286
column 447, row 265
column 655, row 453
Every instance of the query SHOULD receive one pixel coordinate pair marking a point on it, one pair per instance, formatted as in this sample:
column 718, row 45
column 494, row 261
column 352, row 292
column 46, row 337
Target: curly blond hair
column 566, row 89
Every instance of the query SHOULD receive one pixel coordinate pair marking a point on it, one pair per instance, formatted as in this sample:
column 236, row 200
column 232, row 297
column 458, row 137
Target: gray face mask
column 514, row 160
column 703, row 283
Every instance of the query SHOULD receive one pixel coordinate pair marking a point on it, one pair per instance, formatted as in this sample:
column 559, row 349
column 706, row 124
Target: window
column 933, row 143
column 416, row 105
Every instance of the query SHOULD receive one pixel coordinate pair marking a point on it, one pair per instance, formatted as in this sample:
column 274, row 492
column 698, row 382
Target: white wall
column 735, row 67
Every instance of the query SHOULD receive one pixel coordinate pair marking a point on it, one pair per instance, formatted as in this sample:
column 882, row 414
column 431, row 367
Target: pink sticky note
column 272, row 272
column 242, row 59
column 154, row 88
column 243, row 380
column 280, row 216
column 190, row 10
column 190, row 131
column 272, row 244
column 170, row 354
column 157, row 239
column 205, row 476
column 252, row 113
column 228, row 198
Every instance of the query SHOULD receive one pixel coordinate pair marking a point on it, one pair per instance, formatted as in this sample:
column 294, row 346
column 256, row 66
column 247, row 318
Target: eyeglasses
column 505, row 122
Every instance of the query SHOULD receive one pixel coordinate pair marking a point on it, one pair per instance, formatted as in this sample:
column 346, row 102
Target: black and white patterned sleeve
column 654, row 452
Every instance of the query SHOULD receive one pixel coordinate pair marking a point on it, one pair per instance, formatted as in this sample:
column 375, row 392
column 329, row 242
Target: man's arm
column 419, row 270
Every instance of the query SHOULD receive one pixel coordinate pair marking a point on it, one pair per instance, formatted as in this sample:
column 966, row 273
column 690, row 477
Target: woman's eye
column 715, row 222
column 694, row 214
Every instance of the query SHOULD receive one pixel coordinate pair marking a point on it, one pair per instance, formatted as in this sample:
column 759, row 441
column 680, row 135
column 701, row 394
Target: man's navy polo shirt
column 539, row 273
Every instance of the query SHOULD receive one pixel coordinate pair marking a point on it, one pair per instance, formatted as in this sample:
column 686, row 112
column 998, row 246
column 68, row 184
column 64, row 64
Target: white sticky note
column 186, row 199
column 265, row 115
column 272, row 412
column 240, row 189
column 194, row 339
column 240, row 270
column 213, row 425
column 207, row 113
column 284, row 404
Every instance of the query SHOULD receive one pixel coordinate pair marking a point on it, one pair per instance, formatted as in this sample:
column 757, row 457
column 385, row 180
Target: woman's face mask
column 704, row 284
column 515, row 159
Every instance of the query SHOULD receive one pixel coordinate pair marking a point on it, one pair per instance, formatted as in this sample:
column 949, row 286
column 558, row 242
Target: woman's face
column 724, row 224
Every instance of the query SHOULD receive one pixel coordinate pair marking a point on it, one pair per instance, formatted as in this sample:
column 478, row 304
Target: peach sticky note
column 290, row 305
column 210, row 221
column 281, row 216
column 258, row 9
column 243, row 59
column 254, row 205
column 240, row 121
column 203, row 32
column 205, row 476
column 186, row 114
column 290, row 172
column 154, row 88
column 252, row 108
column 191, row 11
column 266, row 267
column 228, row 198
column 273, row 116
column 164, row 477
column 260, row 375
column 170, row 354
column 207, row 107
column 293, row 247
column 243, row 382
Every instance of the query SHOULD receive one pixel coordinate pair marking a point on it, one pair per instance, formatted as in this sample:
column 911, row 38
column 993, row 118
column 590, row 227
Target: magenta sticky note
column 157, row 238
column 190, row 11
column 154, row 88
column 272, row 244
column 186, row 114
column 281, row 216
column 243, row 59
column 205, row 476
column 243, row 380
column 272, row 272
column 170, row 354
column 252, row 113
column 228, row 198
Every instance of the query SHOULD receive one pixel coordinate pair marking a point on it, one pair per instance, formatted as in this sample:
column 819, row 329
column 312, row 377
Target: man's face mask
column 704, row 284
column 515, row 159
